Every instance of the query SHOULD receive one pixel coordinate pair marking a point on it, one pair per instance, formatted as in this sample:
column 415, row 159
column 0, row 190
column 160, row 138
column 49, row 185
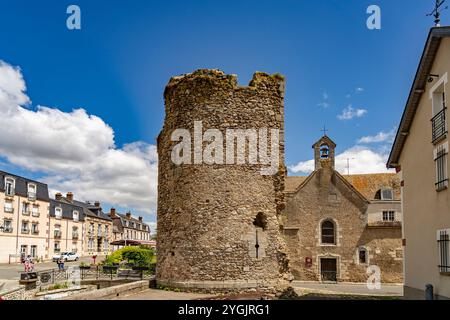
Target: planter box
column 141, row 268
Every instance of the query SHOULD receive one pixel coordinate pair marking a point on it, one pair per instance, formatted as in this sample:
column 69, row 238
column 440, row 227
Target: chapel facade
column 336, row 226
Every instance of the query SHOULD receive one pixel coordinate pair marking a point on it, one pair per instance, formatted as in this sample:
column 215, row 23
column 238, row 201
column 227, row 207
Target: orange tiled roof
column 366, row 184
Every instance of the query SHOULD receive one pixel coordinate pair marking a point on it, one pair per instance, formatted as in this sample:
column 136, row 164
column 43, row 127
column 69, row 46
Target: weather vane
column 436, row 13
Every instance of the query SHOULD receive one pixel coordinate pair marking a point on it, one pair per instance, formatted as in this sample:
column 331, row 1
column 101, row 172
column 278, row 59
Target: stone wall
column 206, row 213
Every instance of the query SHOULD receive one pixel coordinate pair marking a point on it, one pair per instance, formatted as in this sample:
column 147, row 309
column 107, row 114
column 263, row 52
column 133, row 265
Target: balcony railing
column 75, row 235
column 35, row 231
column 26, row 212
column 25, row 230
column 9, row 210
column 438, row 124
column 57, row 234
column 35, row 213
column 8, row 230
column 31, row 196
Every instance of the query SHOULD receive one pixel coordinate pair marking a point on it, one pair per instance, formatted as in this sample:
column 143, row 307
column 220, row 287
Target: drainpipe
column 17, row 230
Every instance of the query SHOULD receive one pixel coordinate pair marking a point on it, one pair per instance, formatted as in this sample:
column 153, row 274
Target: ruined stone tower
column 218, row 223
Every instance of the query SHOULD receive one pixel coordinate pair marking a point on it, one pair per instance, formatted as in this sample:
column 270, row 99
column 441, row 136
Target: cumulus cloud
column 379, row 137
column 350, row 113
column 359, row 90
column 363, row 160
column 74, row 150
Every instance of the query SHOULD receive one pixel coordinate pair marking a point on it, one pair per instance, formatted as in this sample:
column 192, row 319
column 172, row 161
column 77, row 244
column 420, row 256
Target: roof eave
column 417, row 90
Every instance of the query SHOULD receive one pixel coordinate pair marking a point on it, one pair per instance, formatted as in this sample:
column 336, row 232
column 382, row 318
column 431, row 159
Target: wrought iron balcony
column 57, row 234
column 438, row 125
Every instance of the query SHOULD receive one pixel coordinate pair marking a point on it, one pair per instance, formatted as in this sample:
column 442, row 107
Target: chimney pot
column 140, row 219
column 97, row 203
column 128, row 214
column 113, row 212
column 58, row 196
column 69, row 196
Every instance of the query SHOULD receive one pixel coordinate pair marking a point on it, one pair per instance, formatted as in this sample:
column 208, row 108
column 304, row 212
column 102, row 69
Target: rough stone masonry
column 218, row 225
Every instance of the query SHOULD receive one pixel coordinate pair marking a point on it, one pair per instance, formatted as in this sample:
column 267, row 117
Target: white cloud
column 324, row 103
column 75, row 150
column 350, row 113
column 363, row 160
column 379, row 137
column 359, row 90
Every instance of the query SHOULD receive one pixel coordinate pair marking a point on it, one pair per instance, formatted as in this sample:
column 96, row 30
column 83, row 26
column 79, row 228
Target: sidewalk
column 387, row 290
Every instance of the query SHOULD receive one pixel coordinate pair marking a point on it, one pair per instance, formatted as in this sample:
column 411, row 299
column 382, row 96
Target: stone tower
column 324, row 153
column 218, row 223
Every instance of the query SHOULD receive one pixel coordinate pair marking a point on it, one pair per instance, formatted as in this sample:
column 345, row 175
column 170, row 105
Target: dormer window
column 58, row 212
column 76, row 216
column 10, row 184
column 387, row 194
column 32, row 191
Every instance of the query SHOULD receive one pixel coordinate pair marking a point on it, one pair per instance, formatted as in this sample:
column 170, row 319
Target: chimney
column 112, row 212
column 69, row 196
column 58, row 196
column 97, row 203
column 128, row 214
column 140, row 219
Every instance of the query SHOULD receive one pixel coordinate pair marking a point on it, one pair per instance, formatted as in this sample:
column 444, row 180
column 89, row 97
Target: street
column 10, row 273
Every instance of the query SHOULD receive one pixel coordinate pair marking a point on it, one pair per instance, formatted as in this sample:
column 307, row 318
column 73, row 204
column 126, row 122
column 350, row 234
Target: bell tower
column 324, row 153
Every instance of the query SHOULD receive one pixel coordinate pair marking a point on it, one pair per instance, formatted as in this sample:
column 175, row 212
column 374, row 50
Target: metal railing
column 93, row 273
column 438, row 125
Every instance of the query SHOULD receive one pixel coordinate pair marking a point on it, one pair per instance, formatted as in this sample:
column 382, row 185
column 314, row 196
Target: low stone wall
column 226, row 286
column 18, row 293
column 111, row 291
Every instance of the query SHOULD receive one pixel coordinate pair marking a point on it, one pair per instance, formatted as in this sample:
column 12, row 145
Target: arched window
column 362, row 255
column 328, row 232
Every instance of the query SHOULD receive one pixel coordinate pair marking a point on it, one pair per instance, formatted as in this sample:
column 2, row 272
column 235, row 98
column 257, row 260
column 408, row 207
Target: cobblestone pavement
column 152, row 294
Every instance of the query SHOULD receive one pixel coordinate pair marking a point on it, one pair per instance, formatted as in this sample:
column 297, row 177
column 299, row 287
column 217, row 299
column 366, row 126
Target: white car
column 66, row 256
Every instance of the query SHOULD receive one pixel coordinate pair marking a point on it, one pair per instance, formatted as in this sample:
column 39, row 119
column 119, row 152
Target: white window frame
column 389, row 213
column 31, row 195
column 10, row 207
column 76, row 215
column 442, row 82
column 58, row 209
column 382, row 194
column 13, row 191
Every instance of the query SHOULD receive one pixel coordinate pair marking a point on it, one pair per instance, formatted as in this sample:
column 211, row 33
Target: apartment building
column 131, row 229
column 420, row 155
column 24, row 205
column 66, row 226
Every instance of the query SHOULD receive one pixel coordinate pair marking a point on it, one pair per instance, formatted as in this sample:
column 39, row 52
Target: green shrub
column 137, row 256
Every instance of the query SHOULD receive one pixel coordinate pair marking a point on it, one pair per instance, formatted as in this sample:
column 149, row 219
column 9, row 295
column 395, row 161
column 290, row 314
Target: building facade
column 128, row 230
column 420, row 155
column 24, row 206
column 336, row 227
column 66, row 226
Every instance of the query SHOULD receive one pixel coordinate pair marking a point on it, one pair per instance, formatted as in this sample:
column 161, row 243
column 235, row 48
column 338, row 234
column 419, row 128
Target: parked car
column 66, row 256
column 70, row 256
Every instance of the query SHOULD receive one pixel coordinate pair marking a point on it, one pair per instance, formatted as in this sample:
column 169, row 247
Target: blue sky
column 117, row 65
